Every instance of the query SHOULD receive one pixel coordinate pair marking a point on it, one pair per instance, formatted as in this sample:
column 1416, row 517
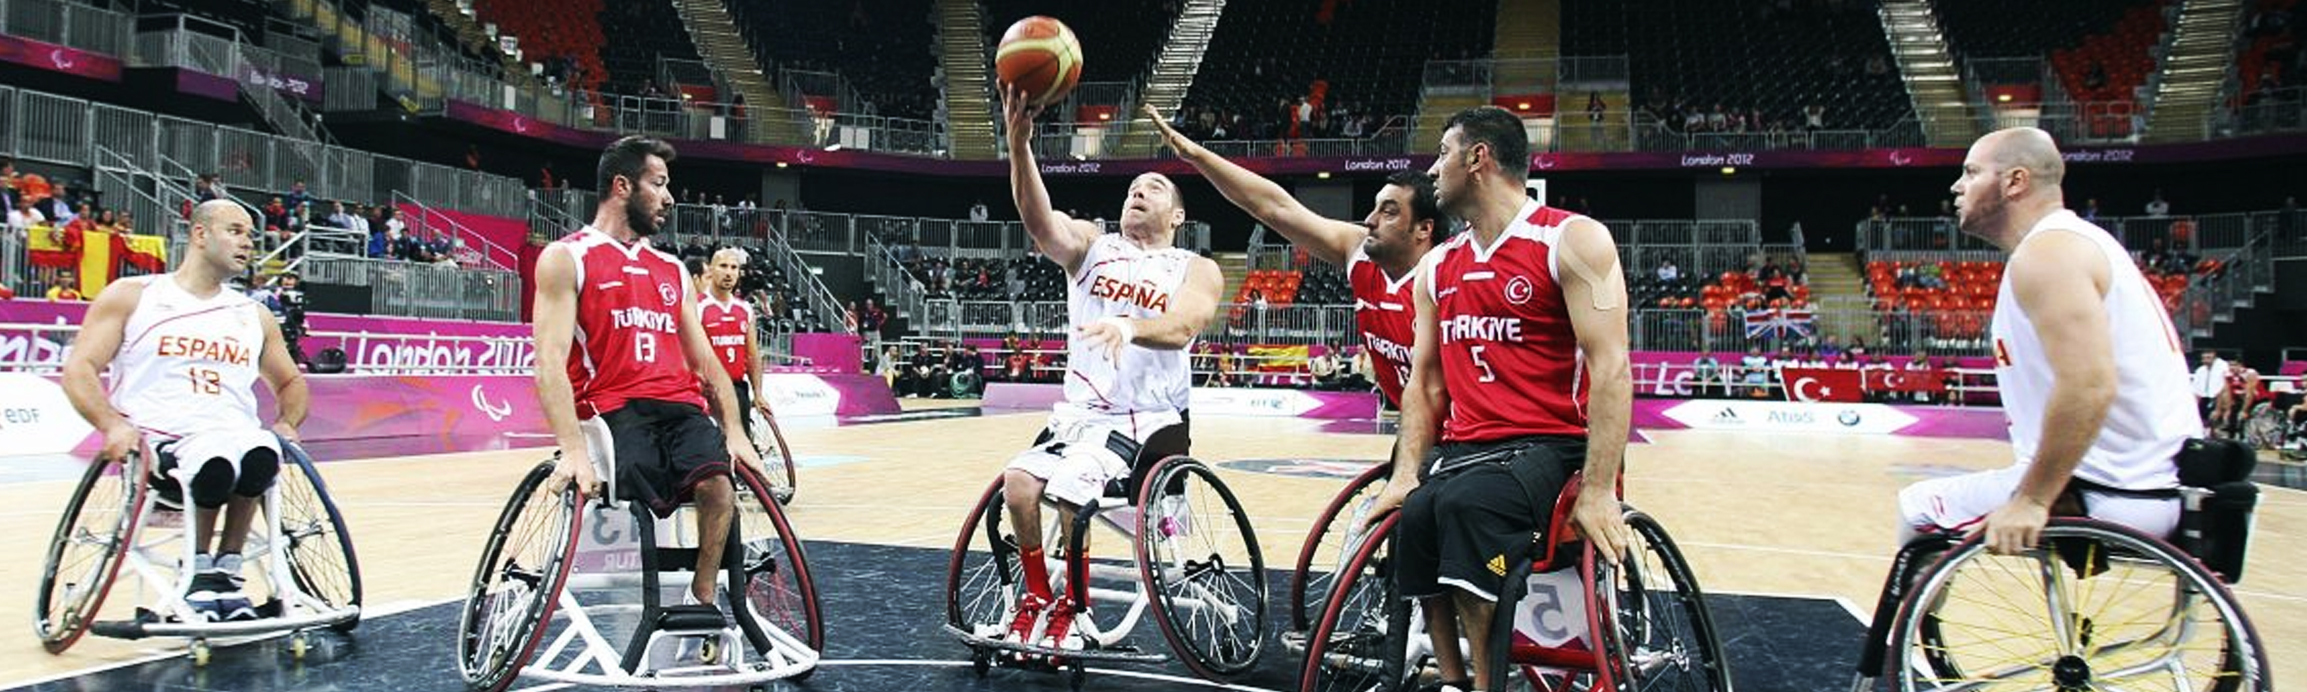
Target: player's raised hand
column 1017, row 111
column 1175, row 140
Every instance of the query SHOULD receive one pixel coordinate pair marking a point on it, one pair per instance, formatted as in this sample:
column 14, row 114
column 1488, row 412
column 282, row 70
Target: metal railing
column 1657, row 137
column 887, row 272
column 409, row 289
column 469, row 247
column 86, row 27
column 2194, row 234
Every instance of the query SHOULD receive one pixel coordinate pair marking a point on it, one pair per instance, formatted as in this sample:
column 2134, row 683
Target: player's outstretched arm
column 1063, row 238
column 1327, row 239
column 1594, row 290
column 288, row 385
column 92, row 350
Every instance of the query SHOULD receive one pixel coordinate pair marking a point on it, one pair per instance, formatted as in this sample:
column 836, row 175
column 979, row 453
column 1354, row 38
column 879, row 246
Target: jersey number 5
column 1488, row 375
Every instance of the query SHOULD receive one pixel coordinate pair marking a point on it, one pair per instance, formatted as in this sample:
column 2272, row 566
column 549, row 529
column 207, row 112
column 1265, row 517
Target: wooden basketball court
column 1780, row 514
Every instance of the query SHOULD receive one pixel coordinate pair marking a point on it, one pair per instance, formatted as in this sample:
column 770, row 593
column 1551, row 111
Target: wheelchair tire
column 2078, row 557
column 496, row 635
column 320, row 554
column 981, row 585
column 776, row 456
column 1361, row 639
column 2264, row 429
column 85, row 554
column 1331, row 538
column 779, row 589
column 1186, row 558
column 1662, row 635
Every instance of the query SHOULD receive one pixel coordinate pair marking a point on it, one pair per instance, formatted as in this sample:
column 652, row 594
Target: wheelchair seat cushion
column 689, row 618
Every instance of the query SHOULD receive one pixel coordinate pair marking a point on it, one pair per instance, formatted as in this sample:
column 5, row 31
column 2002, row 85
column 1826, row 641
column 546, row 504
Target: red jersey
column 1387, row 319
column 628, row 336
column 725, row 326
column 1510, row 359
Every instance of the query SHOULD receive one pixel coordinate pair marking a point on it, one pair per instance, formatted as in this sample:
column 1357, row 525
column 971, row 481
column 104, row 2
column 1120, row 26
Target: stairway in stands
column 969, row 98
column 2197, row 57
column 770, row 119
column 1932, row 79
column 1173, row 71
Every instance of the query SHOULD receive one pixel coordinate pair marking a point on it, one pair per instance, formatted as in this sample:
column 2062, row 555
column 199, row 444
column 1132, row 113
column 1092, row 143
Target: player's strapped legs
column 223, row 463
column 1463, row 528
column 1957, row 504
column 663, row 451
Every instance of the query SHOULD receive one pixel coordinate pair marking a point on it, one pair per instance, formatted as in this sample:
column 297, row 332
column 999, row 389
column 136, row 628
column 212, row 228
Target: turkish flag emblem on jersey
column 1823, row 384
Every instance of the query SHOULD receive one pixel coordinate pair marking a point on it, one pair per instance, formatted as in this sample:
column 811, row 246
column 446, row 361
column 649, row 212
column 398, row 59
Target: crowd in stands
column 2268, row 60
column 51, row 219
column 1288, row 118
column 1782, row 66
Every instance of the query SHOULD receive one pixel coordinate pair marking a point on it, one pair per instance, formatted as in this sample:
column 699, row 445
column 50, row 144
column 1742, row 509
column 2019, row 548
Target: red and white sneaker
column 1059, row 625
column 1029, row 610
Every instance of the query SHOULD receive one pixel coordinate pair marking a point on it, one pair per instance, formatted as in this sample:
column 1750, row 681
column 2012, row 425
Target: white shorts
column 1959, row 503
column 196, row 450
column 1081, row 456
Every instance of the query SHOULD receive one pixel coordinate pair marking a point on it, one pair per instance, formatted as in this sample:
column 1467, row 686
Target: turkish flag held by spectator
column 1822, row 384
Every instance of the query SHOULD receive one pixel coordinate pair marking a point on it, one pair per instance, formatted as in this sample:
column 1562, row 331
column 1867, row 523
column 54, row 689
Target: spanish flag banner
column 53, row 248
column 147, row 253
column 1278, row 358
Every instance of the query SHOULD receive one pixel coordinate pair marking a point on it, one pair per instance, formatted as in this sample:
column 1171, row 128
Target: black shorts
column 744, row 392
column 663, row 450
column 1464, row 527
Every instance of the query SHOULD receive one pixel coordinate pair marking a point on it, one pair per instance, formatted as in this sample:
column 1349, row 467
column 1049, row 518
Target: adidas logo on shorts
column 1498, row 565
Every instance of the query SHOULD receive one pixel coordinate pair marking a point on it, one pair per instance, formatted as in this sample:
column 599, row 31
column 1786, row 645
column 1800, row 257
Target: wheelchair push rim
column 1361, row 639
column 1209, row 588
column 86, row 552
column 502, row 623
column 779, row 590
column 1336, row 534
column 321, row 560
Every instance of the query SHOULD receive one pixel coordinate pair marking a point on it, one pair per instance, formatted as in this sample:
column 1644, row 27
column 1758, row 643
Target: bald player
column 185, row 353
column 2101, row 422
column 1378, row 252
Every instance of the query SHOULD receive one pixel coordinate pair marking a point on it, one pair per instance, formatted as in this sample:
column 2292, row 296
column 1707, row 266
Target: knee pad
column 257, row 471
column 212, row 485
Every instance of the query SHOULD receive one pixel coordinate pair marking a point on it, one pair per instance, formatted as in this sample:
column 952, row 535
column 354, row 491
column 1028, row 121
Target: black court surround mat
column 884, row 609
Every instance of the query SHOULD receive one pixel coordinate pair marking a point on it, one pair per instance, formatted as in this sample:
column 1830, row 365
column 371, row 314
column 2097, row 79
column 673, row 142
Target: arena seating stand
column 1748, row 56
column 637, row 32
column 882, row 48
column 1119, row 38
column 2098, row 49
column 568, row 29
column 1371, row 55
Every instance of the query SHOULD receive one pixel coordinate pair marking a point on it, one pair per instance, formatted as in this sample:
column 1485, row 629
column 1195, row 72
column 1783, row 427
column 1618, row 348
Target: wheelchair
column 1575, row 622
column 302, row 572
column 776, row 457
column 1194, row 563
column 554, row 596
column 2095, row 605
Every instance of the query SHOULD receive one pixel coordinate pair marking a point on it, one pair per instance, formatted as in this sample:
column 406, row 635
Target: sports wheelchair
column 304, row 574
column 1193, row 561
column 2094, row 606
column 1575, row 622
column 561, row 572
column 776, row 457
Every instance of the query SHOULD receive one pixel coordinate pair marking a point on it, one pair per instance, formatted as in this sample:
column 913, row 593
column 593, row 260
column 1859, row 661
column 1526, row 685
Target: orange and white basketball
column 1039, row 56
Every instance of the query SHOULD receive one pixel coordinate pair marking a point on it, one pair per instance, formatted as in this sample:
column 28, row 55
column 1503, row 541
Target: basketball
column 1039, row 56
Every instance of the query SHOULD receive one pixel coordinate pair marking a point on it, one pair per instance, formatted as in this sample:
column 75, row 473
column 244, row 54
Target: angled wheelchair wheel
column 779, row 591
column 1661, row 635
column 1361, row 638
column 518, row 582
column 1199, row 557
column 320, row 555
column 85, row 554
column 776, row 457
column 2264, row 429
column 1337, row 532
column 2093, row 606
column 983, row 577
column 1564, row 611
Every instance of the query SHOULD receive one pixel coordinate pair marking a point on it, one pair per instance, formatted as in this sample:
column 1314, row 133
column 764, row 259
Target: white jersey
column 2154, row 410
column 186, row 364
column 1120, row 279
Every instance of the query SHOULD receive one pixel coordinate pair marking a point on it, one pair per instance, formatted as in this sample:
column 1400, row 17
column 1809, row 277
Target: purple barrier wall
column 830, row 352
column 1292, row 403
column 41, row 55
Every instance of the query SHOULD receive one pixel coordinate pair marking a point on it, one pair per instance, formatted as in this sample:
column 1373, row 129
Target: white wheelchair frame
column 583, row 654
column 148, row 559
column 1098, row 579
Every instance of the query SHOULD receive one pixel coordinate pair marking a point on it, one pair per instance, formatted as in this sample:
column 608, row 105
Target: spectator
column 204, row 188
column 339, row 218
column 472, row 157
column 1755, row 371
column 58, row 206
column 1814, row 117
column 1705, row 372
column 2157, row 208
column 66, row 286
column 1667, row 272
column 977, row 212
column 297, row 197
column 8, row 183
column 22, row 217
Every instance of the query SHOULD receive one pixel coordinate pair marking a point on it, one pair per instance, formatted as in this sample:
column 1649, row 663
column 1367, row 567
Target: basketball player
column 606, row 293
column 728, row 321
column 1378, row 252
column 185, row 354
column 1520, row 359
column 2240, row 391
column 2106, row 415
column 1134, row 302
